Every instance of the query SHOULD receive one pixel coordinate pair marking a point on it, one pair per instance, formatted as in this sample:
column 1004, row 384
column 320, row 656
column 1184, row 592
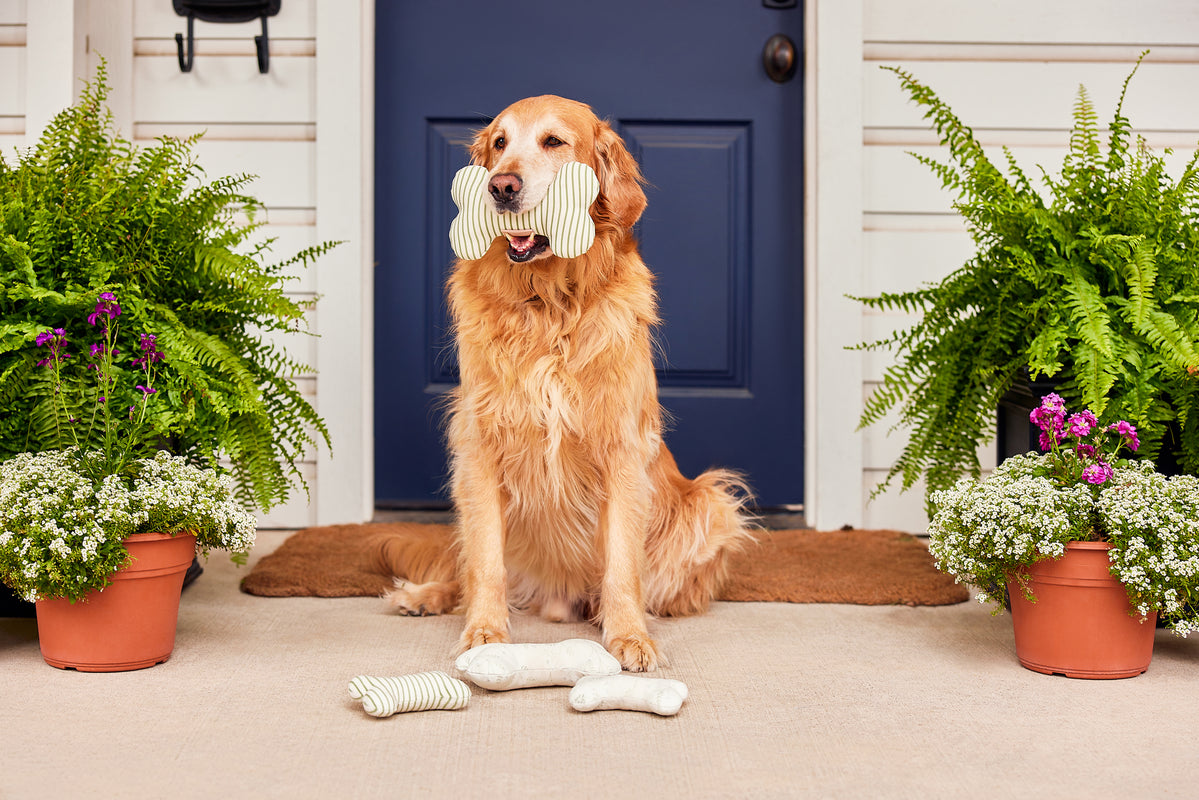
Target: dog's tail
column 696, row 525
column 420, row 554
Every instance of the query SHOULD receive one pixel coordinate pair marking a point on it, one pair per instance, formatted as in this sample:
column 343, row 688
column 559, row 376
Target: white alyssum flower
column 61, row 532
column 985, row 530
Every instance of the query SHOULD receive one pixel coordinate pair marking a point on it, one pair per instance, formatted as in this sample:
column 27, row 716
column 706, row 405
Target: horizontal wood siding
column 262, row 125
column 12, row 75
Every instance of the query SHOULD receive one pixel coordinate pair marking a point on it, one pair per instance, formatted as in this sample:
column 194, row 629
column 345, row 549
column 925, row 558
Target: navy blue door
column 720, row 143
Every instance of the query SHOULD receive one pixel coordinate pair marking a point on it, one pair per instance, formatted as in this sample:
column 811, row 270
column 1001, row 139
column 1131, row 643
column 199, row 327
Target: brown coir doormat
column 876, row 567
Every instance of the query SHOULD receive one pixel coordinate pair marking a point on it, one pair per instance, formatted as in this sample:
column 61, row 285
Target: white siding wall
column 12, row 73
column 265, row 125
column 1010, row 70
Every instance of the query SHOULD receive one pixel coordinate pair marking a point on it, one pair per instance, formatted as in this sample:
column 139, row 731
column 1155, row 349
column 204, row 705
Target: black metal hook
column 224, row 11
column 263, row 45
column 185, row 64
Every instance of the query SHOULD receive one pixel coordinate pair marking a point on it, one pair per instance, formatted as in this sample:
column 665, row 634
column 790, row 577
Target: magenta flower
column 57, row 339
column 1128, row 432
column 1080, row 424
column 147, row 390
column 1054, row 402
column 151, row 353
column 1085, row 451
column 1097, row 473
column 107, row 307
column 1049, row 417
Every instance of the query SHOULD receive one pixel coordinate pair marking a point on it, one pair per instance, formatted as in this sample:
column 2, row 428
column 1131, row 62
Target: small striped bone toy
column 422, row 691
column 563, row 216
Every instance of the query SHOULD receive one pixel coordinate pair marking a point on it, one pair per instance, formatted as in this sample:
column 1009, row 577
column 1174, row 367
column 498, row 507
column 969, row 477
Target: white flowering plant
column 62, row 529
column 65, row 511
column 1032, row 505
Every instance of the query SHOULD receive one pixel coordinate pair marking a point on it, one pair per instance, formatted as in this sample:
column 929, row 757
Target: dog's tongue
column 521, row 242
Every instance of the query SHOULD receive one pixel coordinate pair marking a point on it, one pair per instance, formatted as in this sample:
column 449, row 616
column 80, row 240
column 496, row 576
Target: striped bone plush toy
column 563, row 216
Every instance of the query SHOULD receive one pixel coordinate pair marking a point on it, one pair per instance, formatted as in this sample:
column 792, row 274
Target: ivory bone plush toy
column 584, row 664
column 500, row 666
column 563, row 216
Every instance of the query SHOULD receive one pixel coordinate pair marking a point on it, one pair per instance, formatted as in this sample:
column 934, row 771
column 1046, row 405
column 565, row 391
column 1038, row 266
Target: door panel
column 721, row 147
column 711, row 162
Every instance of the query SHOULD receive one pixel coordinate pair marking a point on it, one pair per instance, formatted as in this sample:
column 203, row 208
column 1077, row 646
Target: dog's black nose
column 505, row 187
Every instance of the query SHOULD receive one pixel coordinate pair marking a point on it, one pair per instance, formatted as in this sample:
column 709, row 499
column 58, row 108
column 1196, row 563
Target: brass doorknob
column 779, row 58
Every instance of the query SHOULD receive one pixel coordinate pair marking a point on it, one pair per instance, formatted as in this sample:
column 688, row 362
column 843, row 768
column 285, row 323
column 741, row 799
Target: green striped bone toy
column 563, row 216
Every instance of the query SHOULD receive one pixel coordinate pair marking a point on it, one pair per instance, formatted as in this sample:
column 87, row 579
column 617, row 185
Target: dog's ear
column 480, row 147
column 620, row 178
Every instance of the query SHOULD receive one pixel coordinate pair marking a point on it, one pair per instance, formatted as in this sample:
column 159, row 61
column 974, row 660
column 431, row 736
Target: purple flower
column 57, row 339
column 1085, row 451
column 1097, row 473
column 149, row 345
column 1049, row 417
column 147, row 390
column 1081, row 424
column 106, row 306
column 1128, row 432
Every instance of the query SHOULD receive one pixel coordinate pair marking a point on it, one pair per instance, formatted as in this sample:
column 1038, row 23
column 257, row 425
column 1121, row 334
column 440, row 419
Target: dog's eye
column 553, row 141
column 500, row 143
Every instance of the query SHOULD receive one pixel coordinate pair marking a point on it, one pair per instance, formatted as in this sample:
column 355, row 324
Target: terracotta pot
column 131, row 624
column 1080, row 625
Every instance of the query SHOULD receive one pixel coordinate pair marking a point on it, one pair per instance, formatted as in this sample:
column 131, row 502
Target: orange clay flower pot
column 1080, row 625
column 131, row 624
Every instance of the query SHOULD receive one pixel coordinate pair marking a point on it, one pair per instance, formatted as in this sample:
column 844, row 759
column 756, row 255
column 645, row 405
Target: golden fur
column 568, row 502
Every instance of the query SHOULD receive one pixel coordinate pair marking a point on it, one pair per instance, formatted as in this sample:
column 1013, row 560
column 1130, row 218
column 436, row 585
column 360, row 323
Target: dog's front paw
column 476, row 636
column 635, row 652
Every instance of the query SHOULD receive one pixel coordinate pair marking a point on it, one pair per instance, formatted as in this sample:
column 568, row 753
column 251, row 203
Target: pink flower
column 1128, row 432
column 1049, row 417
column 1097, row 473
column 1081, row 424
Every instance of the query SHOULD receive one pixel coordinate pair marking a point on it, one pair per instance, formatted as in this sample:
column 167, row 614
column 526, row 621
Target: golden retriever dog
column 568, row 503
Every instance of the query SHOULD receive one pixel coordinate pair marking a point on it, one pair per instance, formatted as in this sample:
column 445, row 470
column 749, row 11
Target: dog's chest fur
column 557, row 379
column 549, row 374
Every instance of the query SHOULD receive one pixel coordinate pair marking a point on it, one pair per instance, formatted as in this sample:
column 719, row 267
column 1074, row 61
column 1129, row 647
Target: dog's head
column 525, row 146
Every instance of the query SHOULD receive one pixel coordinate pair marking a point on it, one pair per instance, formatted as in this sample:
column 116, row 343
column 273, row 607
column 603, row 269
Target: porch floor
column 785, row 701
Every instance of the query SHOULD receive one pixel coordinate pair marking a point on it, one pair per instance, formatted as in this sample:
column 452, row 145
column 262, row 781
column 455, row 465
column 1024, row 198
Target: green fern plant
column 85, row 212
column 1094, row 283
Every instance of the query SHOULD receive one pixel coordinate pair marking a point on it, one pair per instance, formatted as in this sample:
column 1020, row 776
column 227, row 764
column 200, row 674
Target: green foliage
column 85, row 211
column 1094, row 284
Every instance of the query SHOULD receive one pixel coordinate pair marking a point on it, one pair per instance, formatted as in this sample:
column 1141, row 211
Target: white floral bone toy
column 563, row 216
column 662, row 696
column 422, row 691
column 500, row 667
